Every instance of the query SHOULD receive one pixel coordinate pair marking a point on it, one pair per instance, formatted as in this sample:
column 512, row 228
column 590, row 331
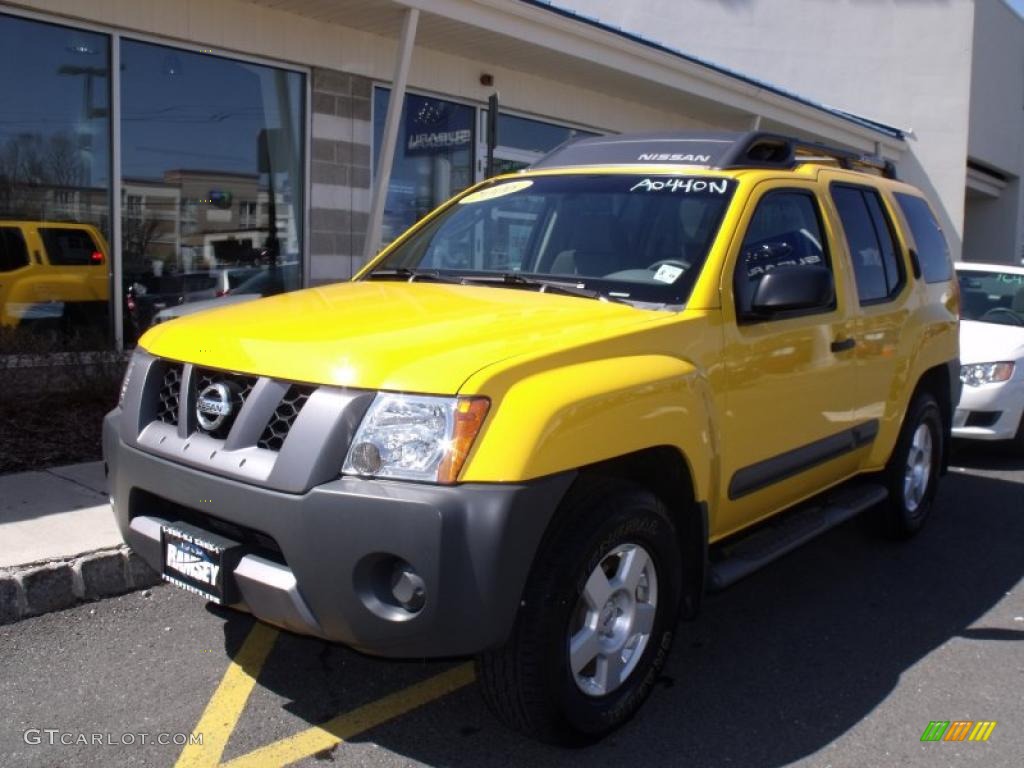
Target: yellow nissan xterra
column 545, row 421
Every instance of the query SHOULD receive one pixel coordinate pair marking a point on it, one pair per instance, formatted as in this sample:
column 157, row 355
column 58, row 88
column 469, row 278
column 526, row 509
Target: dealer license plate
column 199, row 562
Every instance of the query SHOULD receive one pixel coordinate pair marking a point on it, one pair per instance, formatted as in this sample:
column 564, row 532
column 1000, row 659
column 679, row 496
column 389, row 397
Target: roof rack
column 718, row 150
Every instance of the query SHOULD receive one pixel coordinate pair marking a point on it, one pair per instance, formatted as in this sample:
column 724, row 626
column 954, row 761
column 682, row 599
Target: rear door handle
column 842, row 345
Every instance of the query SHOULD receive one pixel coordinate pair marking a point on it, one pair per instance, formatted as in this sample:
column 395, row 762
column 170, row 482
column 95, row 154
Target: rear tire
column 912, row 474
column 597, row 620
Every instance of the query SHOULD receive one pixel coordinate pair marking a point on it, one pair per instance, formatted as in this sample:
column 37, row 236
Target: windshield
column 637, row 238
column 991, row 296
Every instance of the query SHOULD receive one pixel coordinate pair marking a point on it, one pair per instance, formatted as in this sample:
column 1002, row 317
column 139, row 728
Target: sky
column 1017, row 5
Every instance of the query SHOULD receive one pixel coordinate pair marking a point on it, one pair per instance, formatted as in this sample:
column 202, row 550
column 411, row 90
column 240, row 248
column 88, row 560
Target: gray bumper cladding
column 324, row 562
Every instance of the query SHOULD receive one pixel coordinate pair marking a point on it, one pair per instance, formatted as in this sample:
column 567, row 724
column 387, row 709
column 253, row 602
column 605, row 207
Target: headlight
column 125, row 380
column 985, row 373
column 416, row 437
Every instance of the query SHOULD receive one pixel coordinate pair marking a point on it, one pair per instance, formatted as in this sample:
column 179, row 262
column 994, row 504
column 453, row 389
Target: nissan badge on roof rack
column 715, row 150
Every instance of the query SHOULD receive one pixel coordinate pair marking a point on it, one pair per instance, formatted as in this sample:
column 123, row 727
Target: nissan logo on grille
column 213, row 406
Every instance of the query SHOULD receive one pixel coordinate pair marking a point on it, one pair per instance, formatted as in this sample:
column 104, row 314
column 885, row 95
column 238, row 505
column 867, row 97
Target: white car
column 991, row 353
column 260, row 282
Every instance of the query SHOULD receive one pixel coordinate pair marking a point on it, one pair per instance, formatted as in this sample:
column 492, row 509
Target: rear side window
column 13, row 253
column 932, row 249
column 870, row 240
column 68, row 247
column 785, row 230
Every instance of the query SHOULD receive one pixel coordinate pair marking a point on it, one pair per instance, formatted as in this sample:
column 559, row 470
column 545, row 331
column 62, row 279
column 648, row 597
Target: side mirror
column 791, row 288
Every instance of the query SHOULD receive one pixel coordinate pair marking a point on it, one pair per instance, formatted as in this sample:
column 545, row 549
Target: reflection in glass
column 212, row 180
column 522, row 133
column 433, row 157
column 54, row 180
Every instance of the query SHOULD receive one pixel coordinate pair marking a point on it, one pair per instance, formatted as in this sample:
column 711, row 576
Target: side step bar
column 740, row 557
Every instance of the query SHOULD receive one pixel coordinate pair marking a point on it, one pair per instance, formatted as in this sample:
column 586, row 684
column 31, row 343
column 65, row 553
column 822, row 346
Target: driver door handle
column 842, row 345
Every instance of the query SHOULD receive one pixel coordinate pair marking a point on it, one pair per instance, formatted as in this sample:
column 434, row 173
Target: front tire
column 912, row 473
column 597, row 621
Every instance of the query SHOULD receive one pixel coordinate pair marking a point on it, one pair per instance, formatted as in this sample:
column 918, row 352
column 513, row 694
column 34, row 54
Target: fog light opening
column 390, row 587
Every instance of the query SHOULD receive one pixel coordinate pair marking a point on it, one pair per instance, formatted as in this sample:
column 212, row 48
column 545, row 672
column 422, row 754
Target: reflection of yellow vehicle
column 51, row 271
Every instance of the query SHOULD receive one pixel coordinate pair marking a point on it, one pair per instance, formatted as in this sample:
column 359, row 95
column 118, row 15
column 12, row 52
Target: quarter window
column 870, row 241
column 785, row 230
column 66, row 247
column 13, row 253
column 932, row 248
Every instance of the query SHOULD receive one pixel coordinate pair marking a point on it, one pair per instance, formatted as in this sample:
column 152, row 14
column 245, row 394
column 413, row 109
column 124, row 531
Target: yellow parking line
column 225, row 707
column 349, row 724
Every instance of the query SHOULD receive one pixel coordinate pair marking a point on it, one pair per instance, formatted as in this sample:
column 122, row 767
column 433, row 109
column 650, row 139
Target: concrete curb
column 39, row 588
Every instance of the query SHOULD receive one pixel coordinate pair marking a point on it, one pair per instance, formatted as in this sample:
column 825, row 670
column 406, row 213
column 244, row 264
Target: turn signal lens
column 470, row 413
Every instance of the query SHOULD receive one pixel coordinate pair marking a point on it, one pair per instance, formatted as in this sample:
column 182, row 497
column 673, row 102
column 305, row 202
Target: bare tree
column 31, row 167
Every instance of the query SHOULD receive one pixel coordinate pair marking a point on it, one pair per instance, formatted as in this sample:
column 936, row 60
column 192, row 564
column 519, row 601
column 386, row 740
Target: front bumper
column 315, row 571
column 991, row 411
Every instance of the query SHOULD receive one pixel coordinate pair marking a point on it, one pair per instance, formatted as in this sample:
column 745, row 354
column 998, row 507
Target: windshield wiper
column 513, row 279
column 517, row 280
column 413, row 275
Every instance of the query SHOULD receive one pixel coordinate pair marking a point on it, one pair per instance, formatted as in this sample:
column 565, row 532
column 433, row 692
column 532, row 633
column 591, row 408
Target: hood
column 990, row 342
column 412, row 337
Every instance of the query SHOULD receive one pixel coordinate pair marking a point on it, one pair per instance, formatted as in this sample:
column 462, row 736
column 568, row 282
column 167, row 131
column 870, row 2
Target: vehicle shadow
column 977, row 454
column 774, row 670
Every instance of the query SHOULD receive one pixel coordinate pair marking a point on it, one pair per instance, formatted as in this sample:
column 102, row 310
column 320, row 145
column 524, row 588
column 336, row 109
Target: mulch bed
column 54, row 391
column 51, row 429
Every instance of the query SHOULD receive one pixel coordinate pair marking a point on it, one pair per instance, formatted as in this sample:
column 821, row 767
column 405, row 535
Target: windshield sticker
column 667, row 273
column 685, row 185
column 492, row 192
column 1006, row 277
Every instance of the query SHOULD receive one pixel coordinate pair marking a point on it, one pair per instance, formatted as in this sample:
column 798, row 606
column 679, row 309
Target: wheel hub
column 613, row 620
column 918, row 470
column 608, row 615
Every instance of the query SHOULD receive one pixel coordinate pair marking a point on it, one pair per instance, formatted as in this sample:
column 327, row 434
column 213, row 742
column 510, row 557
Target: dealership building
column 182, row 148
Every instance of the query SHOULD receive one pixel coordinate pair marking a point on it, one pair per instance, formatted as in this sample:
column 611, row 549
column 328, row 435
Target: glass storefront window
column 433, row 157
column 55, row 262
column 212, row 181
column 522, row 141
column 437, row 148
column 537, row 136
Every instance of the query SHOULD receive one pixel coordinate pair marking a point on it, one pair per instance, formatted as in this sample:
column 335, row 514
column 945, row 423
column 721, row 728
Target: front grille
column 204, row 414
column 287, row 411
column 170, row 394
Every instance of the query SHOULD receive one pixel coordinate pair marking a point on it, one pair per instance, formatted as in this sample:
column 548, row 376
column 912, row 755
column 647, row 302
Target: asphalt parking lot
column 839, row 655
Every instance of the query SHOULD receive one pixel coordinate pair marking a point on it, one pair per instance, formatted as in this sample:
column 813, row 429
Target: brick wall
column 340, row 174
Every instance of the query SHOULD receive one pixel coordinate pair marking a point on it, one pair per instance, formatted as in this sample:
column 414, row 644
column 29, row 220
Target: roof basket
column 724, row 151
